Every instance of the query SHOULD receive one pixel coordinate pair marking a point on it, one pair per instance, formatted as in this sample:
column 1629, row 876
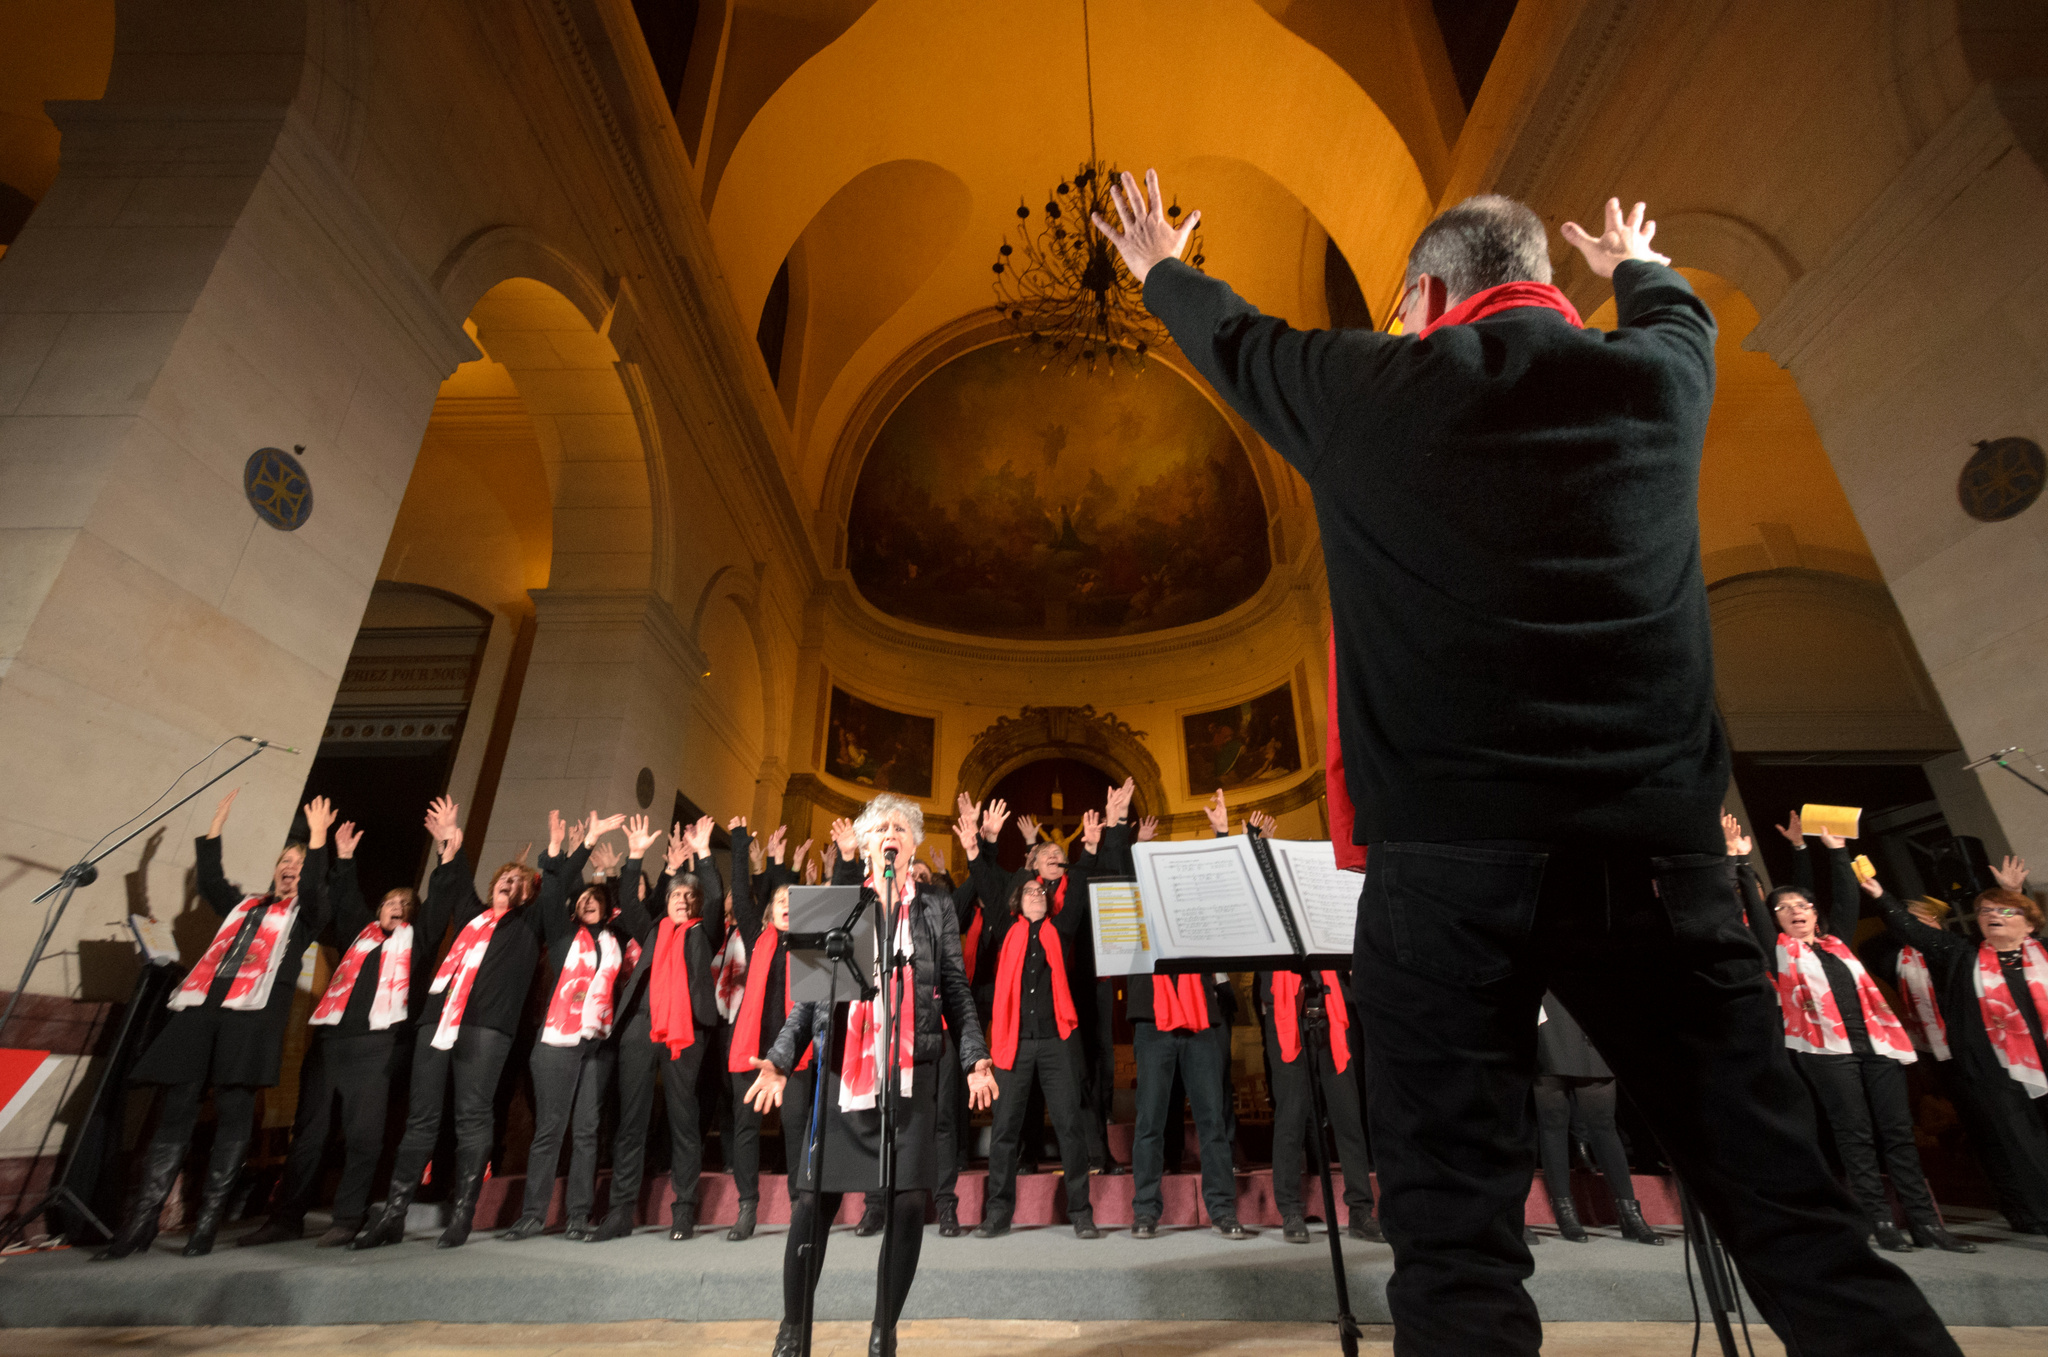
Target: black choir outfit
column 1509, row 514
column 752, row 1034
column 675, row 1059
column 2005, row 1120
column 942, row 1001
column 232, row 1050
column 470, row 1058
column 1294, row 1102
column 1575, row 1088
column 1035, row 1039
column 349, row 1070
column 1862, row 1092
column 572, row 1074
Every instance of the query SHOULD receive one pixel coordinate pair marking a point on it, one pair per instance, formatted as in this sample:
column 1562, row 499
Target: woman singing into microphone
column 927, row 930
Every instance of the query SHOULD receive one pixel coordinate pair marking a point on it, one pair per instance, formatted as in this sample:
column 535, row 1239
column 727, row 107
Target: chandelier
column 1062, row 289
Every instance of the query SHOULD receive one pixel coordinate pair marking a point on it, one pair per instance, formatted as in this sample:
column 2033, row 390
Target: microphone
column 1999, row 757
column 267, row 744
column 889, row 863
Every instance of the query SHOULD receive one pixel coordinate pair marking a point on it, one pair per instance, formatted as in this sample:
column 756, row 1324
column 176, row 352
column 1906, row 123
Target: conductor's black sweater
column 1510, row 522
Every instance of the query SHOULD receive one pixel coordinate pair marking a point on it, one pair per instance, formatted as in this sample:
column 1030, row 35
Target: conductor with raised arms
column 1524, row 699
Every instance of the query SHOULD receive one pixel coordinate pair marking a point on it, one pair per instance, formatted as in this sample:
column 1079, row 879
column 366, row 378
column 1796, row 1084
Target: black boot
column 387, row 1226
column 1891, row 1238
column 462, row 1208
column 1929, row 1234
column 1366, row 1226
column 225, row 1168
column 1294, row 1228
column 682, row 1221
column 1084, row 1225
column 996, row 1222
column 526, row 1227
column 1568, row 1220
column 870, row 1220
column 1633, row 1227
column 743, row 1227
column 949, row 1220
column 159, row 1171
column 618, row 1223
column 881, row 1342
column 276, row 1230
column 788, row 1341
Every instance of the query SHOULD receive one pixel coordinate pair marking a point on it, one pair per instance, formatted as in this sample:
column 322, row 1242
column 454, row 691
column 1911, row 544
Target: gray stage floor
column 1031, row 1274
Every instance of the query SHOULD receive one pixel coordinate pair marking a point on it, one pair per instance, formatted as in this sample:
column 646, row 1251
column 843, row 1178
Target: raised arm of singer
column 1508, row 505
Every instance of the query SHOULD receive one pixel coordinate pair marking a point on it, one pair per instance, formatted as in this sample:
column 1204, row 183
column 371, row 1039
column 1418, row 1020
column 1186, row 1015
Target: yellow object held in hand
column 1864, row 871
column 1840, row 821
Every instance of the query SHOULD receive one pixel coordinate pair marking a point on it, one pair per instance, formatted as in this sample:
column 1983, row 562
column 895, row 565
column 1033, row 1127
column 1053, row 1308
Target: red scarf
column 861, row 1064
column 1287, row 1017
column 1492, row 301
column 2011, row 1040
column 1479, row 306
column 970, row 944
column 394, row 978
column 1812, row 1022
column 581, row 1006
column 1059, row 896
column 1180, row 1003
column 249, row 991
column 746, row 1033
column 670, row 1022
column 1916, row 997
column 1007, row 1018
column 458, row 974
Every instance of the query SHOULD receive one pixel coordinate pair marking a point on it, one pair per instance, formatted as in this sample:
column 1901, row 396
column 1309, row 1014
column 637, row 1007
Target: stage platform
column 1040, row 1273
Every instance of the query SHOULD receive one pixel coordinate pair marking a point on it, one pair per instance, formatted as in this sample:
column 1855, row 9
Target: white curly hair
column 889, row 803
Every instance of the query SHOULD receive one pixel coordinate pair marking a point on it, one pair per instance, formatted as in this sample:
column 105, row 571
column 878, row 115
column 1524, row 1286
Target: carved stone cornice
column 1100, row 739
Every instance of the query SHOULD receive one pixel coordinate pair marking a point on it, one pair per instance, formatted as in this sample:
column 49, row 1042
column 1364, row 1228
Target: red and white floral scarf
column 581, row 1007
column 249, row 991
column 458, row 974
column 2011, row 1040
column 867, row 1050
column 394, row 978
column 1812, row 1022
column 729, row 976
column 1916, row 996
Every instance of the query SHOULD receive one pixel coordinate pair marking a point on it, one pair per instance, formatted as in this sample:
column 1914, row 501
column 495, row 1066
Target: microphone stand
column 1314, row 1023
column 889, row 961
column 1999, row 759
column 86, row 871
column 839, row 951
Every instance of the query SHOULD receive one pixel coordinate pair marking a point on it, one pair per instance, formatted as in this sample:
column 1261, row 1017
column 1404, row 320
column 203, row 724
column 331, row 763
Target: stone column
column 610, row 679
column 1923, row 332
column 200, row 282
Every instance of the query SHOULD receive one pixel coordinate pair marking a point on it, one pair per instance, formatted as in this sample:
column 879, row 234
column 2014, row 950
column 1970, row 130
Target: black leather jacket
column 940, row 985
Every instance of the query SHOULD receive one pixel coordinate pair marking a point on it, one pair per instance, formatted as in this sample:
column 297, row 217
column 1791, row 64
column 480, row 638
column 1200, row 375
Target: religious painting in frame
column 872, row 746
column 1242, row 745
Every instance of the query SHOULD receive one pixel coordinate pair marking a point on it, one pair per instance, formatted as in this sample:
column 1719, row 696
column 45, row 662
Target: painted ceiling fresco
column 1001, row 500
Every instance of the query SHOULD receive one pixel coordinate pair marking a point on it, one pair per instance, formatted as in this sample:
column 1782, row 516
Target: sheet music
column 1326, row 896
column 1123, row 935
column 1207, row 898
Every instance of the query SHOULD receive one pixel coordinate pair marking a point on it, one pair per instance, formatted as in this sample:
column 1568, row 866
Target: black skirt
column 1562, row 1047
column 853, row 1140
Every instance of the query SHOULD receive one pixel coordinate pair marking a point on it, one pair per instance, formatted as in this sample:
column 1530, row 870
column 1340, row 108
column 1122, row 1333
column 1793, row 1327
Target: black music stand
column 824, row 944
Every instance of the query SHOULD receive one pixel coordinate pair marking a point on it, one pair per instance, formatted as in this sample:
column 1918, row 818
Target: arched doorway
column 1055, row 791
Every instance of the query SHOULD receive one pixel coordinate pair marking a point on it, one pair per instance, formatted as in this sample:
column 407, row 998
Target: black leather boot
column 788, row 1341
column 526, row 1227
column 1568, row 1220
column 1891, row 1238
column 221, row 1173
column 1294, row 1228
column 618, row 1223
column 881, row 1342
column 682, row 1221
column 743, row 1227
column 1085, row 1227
column 949, row 1220
column 387, row 1226
column 159, row 1171
column 870, row 1220
column 996, row 1222
column 1929, row 1234
column 1366, row 1226
column 469, row 1184
column 1633, row 1227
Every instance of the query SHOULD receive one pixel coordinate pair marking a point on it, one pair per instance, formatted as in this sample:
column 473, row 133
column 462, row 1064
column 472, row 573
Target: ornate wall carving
column 1063, row 732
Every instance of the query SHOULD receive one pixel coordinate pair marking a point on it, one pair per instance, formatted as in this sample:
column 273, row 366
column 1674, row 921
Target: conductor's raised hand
column 981, row 1085
column 765, row 1093
column 1144, row 234
column 1626, row 236
column 1737, row 842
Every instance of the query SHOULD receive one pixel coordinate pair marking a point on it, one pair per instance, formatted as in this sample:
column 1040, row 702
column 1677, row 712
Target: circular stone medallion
column 278, row 488
column 2002, row 478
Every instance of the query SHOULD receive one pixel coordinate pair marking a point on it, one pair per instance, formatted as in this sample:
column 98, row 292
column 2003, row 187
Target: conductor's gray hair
column 1481, row 243
column 888, row 803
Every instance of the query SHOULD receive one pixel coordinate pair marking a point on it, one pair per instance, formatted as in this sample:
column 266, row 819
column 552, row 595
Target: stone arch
column 1080, row 733
column 493, row 254
column 742, row 588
